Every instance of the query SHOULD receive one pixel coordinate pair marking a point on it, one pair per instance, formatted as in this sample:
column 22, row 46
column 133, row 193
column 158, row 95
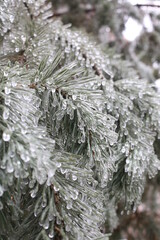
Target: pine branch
column 71, row 138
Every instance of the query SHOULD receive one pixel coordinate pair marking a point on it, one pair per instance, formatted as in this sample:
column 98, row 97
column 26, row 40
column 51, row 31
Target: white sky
column 144, row 1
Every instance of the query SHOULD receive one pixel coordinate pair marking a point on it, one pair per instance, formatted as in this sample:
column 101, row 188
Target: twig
column 29, row 11
column 147, row 5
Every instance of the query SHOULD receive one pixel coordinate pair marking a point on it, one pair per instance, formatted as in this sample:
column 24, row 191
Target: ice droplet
column 16, row 49
column 1, row 190
column 14, row 83
column 44, row 203
column 74, row 177
column 51, row 173
column 63, row 171
column 11, row 18
column 46, row 224
column 69, row 204
column 74, row 195
column 7, row 90
column 23, row 38
column 122, row 212
column 10, row 168
column 51, row 234
column 68, row 228
column 58, row 221
column 74, row 97
column 6, row 136
column 58, row 164
column 33, row 194
column 5, row 74
column 123, row 150
column 7, row 100
column 5, row 114
column 56, row 189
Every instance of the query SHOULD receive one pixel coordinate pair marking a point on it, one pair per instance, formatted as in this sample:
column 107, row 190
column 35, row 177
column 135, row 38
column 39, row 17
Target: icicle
column 34, row 191
column 51, row 234
column 43, row 218
column 37, row 208
column 10, row 167
column 46, row 224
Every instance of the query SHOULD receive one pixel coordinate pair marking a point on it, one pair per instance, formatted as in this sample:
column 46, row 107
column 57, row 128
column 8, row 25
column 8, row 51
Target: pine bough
column 73, row 141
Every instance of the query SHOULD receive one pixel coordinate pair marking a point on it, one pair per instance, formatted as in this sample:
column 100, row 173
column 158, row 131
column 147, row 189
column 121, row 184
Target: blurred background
column 127, row 30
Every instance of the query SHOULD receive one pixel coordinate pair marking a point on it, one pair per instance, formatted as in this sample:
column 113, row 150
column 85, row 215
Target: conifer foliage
column 73, row 141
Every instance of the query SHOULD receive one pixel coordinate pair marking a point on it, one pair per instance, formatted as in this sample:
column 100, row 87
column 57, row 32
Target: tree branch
column 147, row 5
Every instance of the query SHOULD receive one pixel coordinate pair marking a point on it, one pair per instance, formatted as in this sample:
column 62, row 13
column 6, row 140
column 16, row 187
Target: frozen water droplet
column 51, row 173
column 32, row 183
column 46, row 224
column 58, row 221
column 74, row 97
column 68, row 228
column 5, row 114
column 1, row 190
column 51, row 216
column 33, row 194
column 23, row 38
column 123, row 150
column 10, row 168
column 74, row 177
column 6, row 74
column 6, row 136
column 7, row 100
column 51, row 234
column 122, row 212
column 17, row 49
column 11, row 18
column 14, row 84
column 63, row 171
column 35, row 214
column 56, row 189
column 69, row 204
column 7, row 90
column 58, row 164
column 27, row 159
column 44, row 203
column 74, row 195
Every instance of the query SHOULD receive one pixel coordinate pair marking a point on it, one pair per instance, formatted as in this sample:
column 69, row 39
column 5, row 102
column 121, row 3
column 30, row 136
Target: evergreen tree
column 75, row 137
